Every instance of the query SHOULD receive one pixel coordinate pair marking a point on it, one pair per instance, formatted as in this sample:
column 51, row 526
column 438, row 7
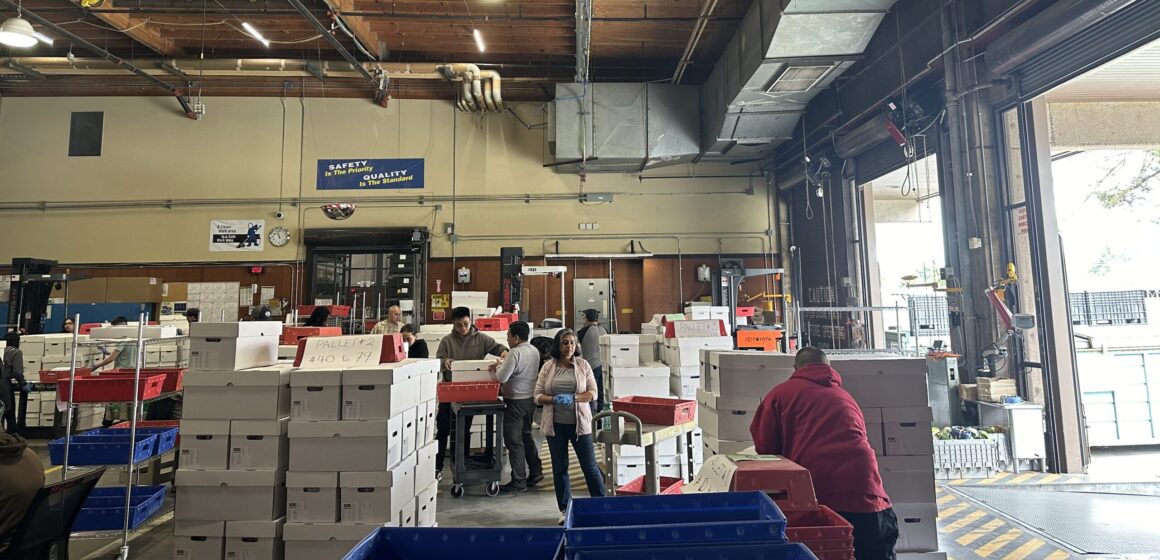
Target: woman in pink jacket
column 565, row 387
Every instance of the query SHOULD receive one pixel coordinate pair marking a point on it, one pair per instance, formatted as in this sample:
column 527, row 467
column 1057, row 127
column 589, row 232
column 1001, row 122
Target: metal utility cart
column 641, row 435
column 479, row 468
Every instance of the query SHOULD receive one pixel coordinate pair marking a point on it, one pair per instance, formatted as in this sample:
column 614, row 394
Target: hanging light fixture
column 17, row 32
column 478, row 39
column 255, row 34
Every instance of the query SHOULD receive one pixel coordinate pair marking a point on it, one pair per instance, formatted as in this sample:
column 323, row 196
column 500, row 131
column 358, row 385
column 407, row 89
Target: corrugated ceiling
column 1132, row 77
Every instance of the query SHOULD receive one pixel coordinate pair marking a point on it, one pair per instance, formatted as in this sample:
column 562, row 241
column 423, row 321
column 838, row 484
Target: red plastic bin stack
column 635, row 487
column 467, row 391
column 828, row 535
column 656, row 410
column 173, row 376
column 107, row 389
column 54, row 375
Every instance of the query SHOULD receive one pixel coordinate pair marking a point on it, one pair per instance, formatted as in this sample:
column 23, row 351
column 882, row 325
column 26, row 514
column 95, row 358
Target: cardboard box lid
column 651, row 339
column 851, row 364
column 720, row 342
column 235, row 329
column 392, row 372
column 328, row 531
column 408, row 463
column 204, row 428
column 252, row 529
column 194, row 528
column 130, row 331
column 338, row 429
column 872, row 415
column 308, row 479
column 750, row 359
column 905, row 463
column 315, row 377
column 375, row 479
column 265, row 478
column 471, row 365
column 258, row 427
column 620, row 340
column 265, row 377
column 907, row 414
column 651, row 370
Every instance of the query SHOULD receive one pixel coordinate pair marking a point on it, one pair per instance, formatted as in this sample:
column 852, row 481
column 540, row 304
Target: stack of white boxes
column 701, row 312
column 230, row 483
column 44, row 352
column 362, row 454
column 732, row 385
column 892, row 392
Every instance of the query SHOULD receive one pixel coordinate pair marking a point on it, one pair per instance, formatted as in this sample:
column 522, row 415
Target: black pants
column 874, row 534
column 7, row 396
column 443, row 429
column 523, row 454
column 598, row 404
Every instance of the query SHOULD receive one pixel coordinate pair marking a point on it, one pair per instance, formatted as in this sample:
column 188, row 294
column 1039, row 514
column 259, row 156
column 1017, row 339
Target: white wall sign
column 237, row 235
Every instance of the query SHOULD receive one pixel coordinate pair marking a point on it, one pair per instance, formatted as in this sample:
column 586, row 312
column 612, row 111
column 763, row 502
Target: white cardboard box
column 228, row 354
column 407, row 515
column 237, row 329
column 917, row 531
column 198, row 540
column 687, row 351
column 684, row 387
column 316, row 541
column 127, row 331
column 885, row 389
column 428, row 386
column 638, row 386
column 873, row 418
column 425, row 465
column 620, row 350
column 650, row 348
column 421, row 425
column 714, row 446
column 906, row 431
column 908, row 479
column 726, row 418
column 425, row 503
column 258, row 444
column 256, row 394
column 408, row 422
column 345, row 445
column 230, row 495
column 431, row 425
column 376, row 394
column 205, row 444
column 311, row 497
column 316, row 394
column 366, row 497
column 653, row 369
column 254, row 540
column 921, row 556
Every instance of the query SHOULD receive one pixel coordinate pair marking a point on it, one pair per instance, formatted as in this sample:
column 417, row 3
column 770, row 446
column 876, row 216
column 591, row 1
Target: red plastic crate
column 467, row 391
column 827, row 545
column 152, row 424
column 788, row 483
column 656, row 410
column 98, row 389
column 511, row 317
column 635, row 487
column 822, row 524
column 335, row 310
column 291, row 335
column 847, row 554
column 746, row 311
column 173, row 376
column 52, row 376
column 492, row 324
column 85, row 328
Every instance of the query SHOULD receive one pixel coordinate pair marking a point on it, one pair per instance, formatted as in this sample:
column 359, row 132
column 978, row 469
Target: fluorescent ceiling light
column 597, row 255
column 254, row 33
column 478, row 39
column 42, row 38
column 17, row 32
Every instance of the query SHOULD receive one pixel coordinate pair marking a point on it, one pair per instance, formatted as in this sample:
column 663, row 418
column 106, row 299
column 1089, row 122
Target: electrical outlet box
column 596, row 197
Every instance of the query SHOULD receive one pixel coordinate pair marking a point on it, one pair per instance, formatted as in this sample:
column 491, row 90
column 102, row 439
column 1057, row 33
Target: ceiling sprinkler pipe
column 487, row 95
column 496, row 88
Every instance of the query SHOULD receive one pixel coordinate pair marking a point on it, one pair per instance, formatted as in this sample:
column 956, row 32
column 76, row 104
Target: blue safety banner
column 360, row 174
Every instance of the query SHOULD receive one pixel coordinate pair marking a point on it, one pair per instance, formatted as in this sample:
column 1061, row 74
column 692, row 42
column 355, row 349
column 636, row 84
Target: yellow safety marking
column 1022, row 478
column 945, row 499
column 951, row 511
column 938, row 489
column 958, row 481
column 1050, row 478
column 998, row 542
column 1057, row 555
column 960, row 523
column 51, row 470
column 995, row 478
column 980, row 532
column 1025, row 550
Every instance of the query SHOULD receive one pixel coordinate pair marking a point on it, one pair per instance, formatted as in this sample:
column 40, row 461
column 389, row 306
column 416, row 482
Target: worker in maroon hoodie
column 811, row 420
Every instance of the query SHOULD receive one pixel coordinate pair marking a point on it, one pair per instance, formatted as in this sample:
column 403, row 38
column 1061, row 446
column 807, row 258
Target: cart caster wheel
column 457, row 491
column 492, row 489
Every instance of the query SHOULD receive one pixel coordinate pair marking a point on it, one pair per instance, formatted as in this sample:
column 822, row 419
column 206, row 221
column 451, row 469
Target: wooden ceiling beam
column 146, row 35
column 358, row 26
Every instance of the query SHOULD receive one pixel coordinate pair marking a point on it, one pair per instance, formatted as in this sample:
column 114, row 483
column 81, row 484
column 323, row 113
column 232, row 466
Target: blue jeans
column 585, row 454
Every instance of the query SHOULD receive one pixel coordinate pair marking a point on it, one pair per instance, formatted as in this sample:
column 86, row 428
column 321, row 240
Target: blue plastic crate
column 758, row 551
column 104, row 508
column 101, row 449
column 679, row 519
column 166, row 437
column 432, row 543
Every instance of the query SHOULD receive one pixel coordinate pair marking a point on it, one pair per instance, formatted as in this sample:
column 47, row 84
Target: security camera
column 279, row 214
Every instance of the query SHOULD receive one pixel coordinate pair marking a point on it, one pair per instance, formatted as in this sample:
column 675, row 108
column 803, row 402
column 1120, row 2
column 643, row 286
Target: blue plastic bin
column 104, row 509
column 167, row 437
column 102, row 449
column 673, row 520
column 760, row 551
column 432, row 543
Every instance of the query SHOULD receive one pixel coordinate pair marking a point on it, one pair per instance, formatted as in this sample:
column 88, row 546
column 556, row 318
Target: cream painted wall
column 249, row 152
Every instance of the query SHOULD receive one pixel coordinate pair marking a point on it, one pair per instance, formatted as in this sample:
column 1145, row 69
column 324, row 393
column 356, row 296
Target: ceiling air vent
column 796, row 79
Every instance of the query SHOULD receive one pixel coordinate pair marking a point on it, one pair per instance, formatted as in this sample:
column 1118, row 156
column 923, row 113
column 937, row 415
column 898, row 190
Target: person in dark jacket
column 318, row 317
column 21, row 477
column 416, row 347
column 12, row 382
column 811, row 420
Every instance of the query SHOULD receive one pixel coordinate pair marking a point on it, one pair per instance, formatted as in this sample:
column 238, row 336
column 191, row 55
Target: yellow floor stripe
column 951, row 511
column 967, row 519
column 957, row 481
column 998, row 542
column 946, row 498
column 1022, row 478
column 1025, row 550
column 1050, row 478
column 980, row 532
column 1057, row 555
column 996, row 478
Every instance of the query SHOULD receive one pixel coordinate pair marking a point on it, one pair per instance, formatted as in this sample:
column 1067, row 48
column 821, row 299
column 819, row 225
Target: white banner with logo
column 237, row 235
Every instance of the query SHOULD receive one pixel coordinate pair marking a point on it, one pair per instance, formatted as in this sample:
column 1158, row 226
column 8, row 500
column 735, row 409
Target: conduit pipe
column 478, row 90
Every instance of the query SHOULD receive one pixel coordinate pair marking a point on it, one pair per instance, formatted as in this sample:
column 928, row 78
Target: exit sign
column 256, row 269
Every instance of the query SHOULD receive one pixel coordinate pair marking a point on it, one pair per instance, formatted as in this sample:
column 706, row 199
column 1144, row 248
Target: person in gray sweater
column 465, row 342
column 518, row 373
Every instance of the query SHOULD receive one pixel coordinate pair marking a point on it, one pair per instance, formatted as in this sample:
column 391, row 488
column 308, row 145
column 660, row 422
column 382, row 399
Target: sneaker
column 560, row 521
column 438, row 476
column 511, row 488
column 534, row 480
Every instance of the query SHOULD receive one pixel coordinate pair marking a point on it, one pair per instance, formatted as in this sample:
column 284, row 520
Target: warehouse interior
column 953, row 200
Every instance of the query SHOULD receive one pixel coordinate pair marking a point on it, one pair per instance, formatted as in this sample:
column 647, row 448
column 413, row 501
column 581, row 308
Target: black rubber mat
column 1092, row 523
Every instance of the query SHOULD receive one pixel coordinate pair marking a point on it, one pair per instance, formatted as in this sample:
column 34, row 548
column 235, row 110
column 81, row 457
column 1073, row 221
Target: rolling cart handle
column 615, row 415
